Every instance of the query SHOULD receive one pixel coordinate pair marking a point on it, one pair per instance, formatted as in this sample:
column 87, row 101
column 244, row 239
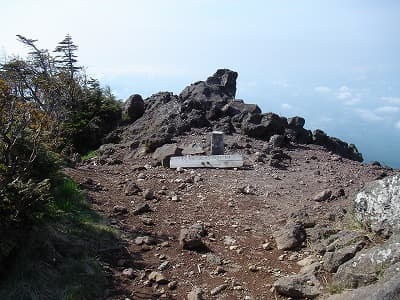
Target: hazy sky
column 336, row 63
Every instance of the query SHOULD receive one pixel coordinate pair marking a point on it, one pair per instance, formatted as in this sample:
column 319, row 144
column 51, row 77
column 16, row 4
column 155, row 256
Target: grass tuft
column 90, row 155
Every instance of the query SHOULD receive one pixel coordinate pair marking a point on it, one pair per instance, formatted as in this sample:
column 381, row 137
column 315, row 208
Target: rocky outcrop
column 368, row 265
column 211, row 104
column 378, row 204
column 387, row 288
column 336, row 145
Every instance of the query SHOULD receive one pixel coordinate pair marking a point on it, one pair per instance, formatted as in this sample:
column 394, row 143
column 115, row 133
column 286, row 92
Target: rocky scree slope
column 211, row 105
column 264, row 231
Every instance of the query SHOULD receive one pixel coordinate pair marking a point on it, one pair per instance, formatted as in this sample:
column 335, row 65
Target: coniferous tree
column 67, row 58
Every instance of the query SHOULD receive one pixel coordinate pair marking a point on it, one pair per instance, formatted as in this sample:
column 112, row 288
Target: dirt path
column 238, row 222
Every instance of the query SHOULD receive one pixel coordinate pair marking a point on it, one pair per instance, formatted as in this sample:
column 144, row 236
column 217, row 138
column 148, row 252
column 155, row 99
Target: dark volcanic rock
column 222, row 85
column 190, row 238
column 277, row 140
column 211, row 105
column 290, row 236
column 263, row 126
column 134, row 107
column 157, row 126
column 303, row 285
column 297, row 122
column 238, row 106
column 336, row 145
column 225, row 80
column 192, row 149
column 332, row 260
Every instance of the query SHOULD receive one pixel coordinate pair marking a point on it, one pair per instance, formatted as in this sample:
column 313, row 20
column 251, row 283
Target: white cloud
column 344, row 93
column 368, row 115
column 322, row 89
column 348, row 95
column 392, row 100
column 280, row 83
column 387, row 109
column 352, row 101
column 286, row 106
column 397, row 125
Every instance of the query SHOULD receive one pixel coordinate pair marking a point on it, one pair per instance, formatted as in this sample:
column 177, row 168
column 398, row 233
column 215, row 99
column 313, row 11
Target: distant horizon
column 335, row 63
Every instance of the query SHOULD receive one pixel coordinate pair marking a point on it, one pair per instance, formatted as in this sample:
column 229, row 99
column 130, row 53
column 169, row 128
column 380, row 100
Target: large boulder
column 134, row 107
column 295, row 132
column 225, row 80
column 297, row 122
column 263, row 126
column 290, row 236
column 238, row 106
column 209, row 97
column 334, row 259
column 305, row 284
column 378, row 204
column 157, row 126
column 369, row 264
column 220, row 86
column 387, row 288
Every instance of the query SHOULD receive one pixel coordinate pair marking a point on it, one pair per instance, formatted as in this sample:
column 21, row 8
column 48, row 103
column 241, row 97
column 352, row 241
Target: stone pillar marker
column 217, row 143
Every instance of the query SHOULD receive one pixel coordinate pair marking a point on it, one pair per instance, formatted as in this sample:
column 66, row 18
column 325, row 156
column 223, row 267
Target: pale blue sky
column 337, row 63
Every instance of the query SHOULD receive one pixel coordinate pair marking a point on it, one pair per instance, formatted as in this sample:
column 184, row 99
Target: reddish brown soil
column 217, row 202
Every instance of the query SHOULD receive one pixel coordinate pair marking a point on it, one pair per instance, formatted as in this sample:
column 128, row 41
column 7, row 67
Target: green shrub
column 90, row 155
column 24, row 202
column 95, row 116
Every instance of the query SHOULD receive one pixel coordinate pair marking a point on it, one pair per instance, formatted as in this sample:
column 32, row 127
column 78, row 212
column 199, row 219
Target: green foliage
column 41, row 272
column 351, row 223
column 48, row 109
column 67, row 196
column 92, row 118
column 90, row 155
column 23, row 202
column 80, row 110
column 58, row 260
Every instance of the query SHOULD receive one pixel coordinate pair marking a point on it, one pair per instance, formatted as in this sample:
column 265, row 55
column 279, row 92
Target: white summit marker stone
column 217, row 159
column 210, row 161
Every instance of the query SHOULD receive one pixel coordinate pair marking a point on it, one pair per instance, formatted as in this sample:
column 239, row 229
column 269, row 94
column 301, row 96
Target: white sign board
column 210, row 161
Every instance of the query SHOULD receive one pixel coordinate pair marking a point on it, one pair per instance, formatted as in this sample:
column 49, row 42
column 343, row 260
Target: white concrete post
column 217, row 143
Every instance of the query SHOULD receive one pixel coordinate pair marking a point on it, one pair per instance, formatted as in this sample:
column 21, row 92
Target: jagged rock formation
column 211, row 104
